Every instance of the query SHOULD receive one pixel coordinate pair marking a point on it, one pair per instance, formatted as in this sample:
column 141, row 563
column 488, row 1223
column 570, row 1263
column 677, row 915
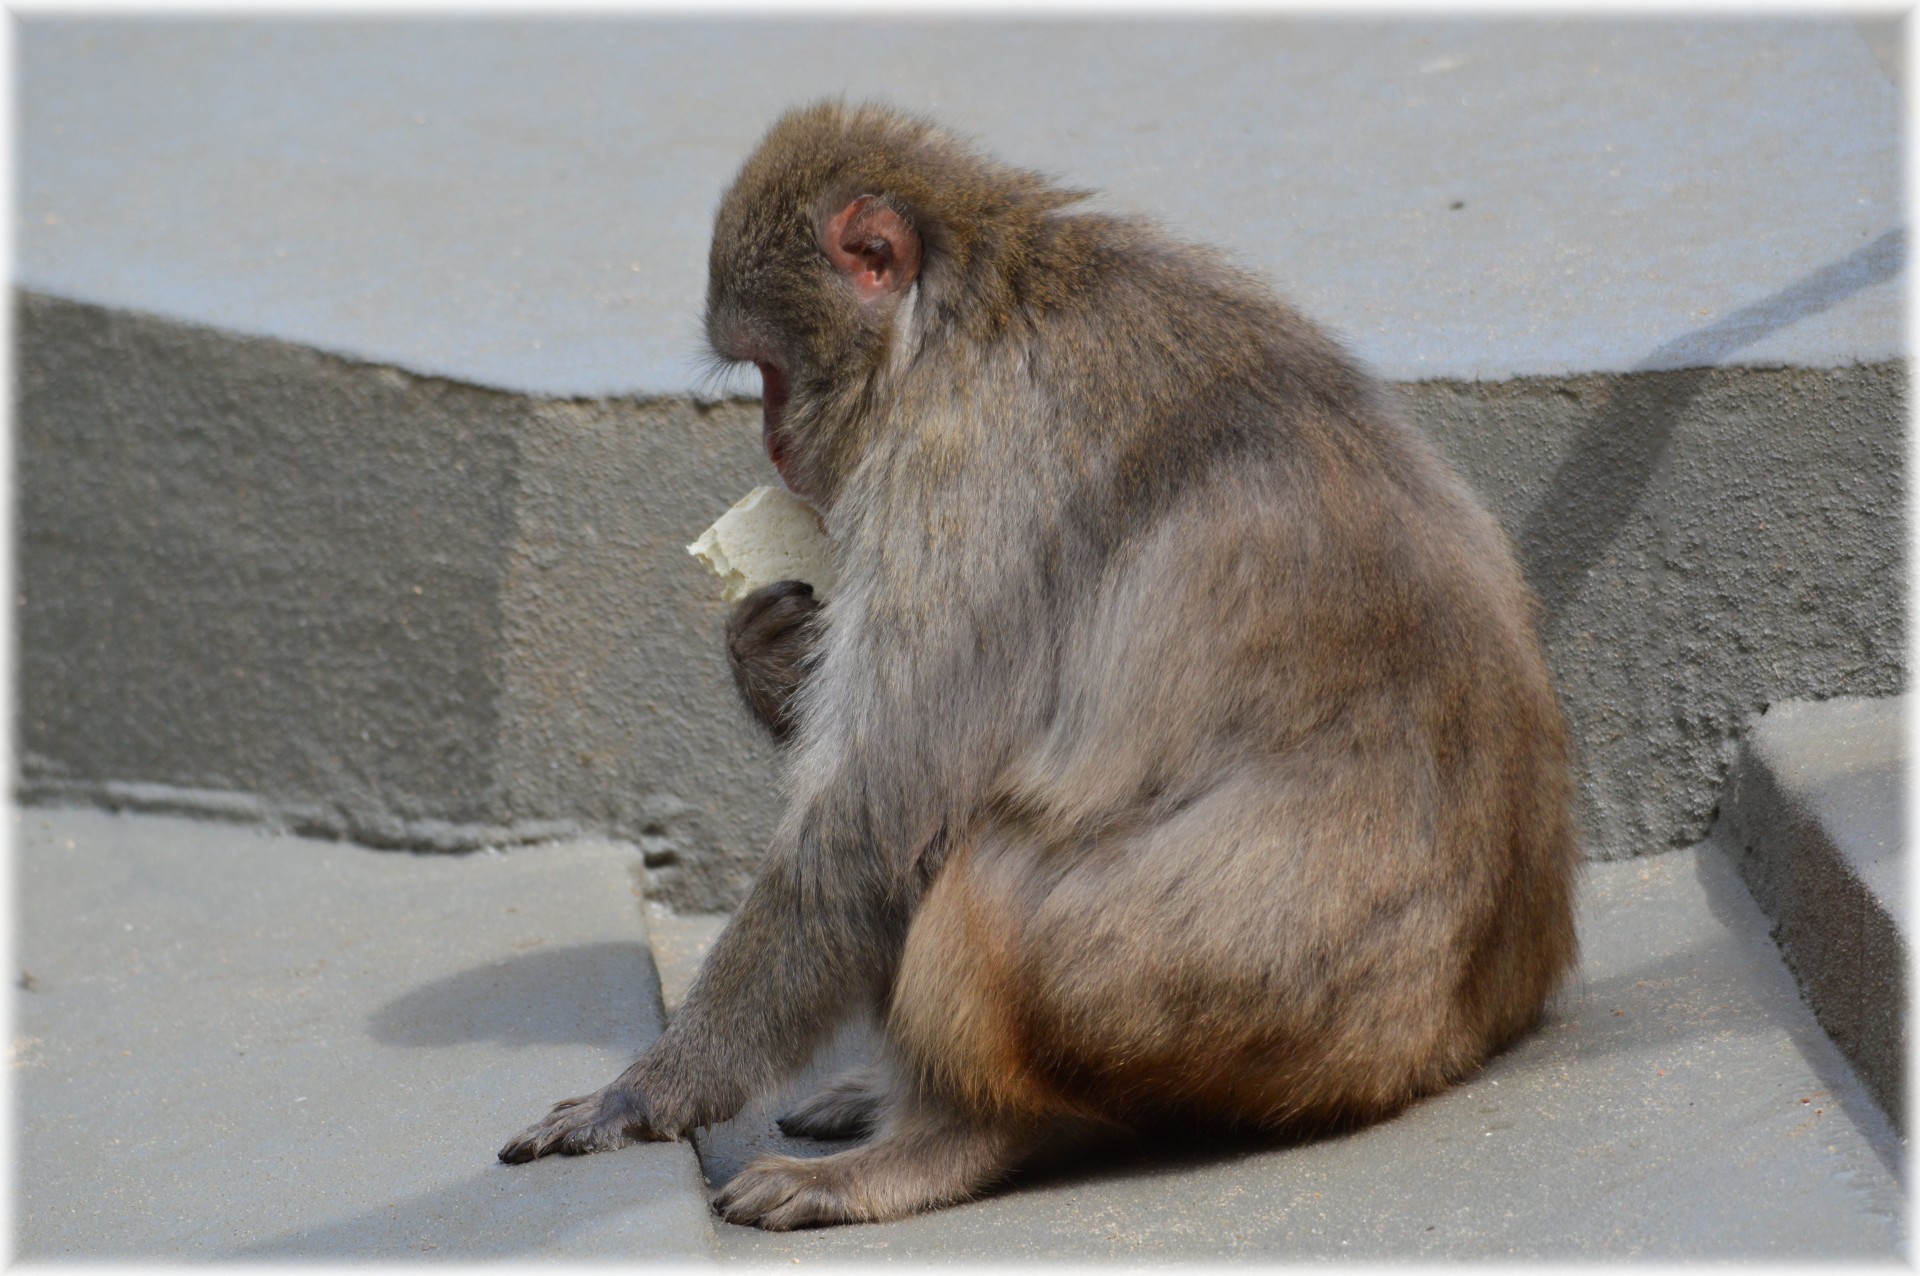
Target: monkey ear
column 874, row 248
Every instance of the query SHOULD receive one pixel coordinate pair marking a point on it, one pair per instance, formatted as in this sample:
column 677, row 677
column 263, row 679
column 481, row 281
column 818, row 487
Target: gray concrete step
column 525, row 203
column 1815, row 821
column 239, row 1045
column 1679, row 1103
column 232, row 1045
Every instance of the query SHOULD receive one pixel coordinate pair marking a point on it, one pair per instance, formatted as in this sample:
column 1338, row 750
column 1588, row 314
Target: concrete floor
column 232, row 1044
column 526, row 203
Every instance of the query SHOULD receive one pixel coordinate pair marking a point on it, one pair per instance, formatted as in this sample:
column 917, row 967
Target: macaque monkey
column 1176, row 744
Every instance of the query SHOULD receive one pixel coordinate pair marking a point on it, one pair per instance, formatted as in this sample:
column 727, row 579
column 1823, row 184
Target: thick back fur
column 1202, row 694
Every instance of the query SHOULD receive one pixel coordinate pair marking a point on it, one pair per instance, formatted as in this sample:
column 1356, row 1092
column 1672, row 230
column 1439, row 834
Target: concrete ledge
column 1641, row 278
column 367, row 828
column 1461, row 197
column 1816, row 823
column 258, row 580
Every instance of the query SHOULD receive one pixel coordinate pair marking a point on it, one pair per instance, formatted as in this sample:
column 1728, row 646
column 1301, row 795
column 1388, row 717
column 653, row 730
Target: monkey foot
column 846, row 1109
column 928, row 1159
column 781, row 1193
column 597, row 1122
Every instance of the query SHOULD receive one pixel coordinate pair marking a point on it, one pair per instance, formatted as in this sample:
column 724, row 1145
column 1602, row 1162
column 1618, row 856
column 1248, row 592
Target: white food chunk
column 770, row 535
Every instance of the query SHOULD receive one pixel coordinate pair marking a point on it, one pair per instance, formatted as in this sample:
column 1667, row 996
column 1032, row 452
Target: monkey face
column 747, row 328
column 751, row 316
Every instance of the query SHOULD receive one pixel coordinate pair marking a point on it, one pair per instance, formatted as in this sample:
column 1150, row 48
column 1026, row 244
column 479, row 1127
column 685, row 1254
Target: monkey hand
column 769, row 637
column 608, row 1118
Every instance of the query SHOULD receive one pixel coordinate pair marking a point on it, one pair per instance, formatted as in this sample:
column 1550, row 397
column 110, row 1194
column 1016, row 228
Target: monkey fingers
column 767, row 624
column 753, row 610
column 768, row 636
column 609, row 1118
column 848, row 1108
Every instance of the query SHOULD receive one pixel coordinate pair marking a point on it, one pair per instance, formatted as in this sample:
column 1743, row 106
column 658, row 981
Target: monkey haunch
column 1177, row 740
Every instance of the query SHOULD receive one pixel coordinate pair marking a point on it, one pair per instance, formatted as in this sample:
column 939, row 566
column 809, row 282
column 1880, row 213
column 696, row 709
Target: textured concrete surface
column 1703, row 543
column 233, row 1046
column 1658, row 334
column 526, row 203
column 255, row 578
column 1679, row 1104
column 259, row 580
column 1815, row 814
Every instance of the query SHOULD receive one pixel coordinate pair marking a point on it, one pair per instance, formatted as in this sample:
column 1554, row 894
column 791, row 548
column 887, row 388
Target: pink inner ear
column 873, row 247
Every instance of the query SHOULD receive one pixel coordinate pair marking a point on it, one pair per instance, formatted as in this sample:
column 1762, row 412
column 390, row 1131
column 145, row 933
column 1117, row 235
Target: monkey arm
column 818, row 931
column 816, row 935
column 900, row 744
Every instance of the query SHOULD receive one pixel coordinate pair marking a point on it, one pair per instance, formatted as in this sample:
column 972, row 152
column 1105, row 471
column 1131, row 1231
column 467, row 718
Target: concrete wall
column 371, row 604
column 1703, row 543
column 264, row 581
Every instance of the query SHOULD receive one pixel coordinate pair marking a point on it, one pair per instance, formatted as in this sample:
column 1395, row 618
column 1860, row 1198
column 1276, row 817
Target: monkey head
column 850, row 234
column 815, row 253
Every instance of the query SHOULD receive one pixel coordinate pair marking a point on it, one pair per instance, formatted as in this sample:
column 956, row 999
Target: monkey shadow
column 1087, row 1156
column 498, row 1212
column 589, row 994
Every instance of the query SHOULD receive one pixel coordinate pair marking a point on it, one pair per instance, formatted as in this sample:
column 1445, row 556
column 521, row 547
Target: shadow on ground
column 544, row 997
column 498, row 1211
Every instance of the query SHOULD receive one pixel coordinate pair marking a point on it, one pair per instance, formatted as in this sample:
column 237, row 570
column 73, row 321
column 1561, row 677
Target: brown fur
column 1177, row 741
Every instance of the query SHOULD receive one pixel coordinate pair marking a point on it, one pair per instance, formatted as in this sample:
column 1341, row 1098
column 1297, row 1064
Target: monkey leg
column 1286, row 951
column 929, row 1152
column 849, row 1107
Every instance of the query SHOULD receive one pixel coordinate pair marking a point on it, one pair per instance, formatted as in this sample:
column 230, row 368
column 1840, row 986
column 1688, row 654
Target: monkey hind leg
column 929, row 1152
column 849, row 1107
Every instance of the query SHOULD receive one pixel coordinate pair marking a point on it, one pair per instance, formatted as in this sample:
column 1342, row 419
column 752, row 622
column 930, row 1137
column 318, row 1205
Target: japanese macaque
column 1176, row 743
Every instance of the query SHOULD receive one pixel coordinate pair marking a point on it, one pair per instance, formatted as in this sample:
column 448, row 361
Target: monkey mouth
column 773, row 400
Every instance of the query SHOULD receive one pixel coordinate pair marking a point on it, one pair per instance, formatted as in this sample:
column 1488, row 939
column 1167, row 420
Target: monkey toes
column 597, row 1122
column 780, row 1193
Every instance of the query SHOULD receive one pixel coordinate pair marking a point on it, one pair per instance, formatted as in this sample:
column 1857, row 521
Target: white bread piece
column 769, row 535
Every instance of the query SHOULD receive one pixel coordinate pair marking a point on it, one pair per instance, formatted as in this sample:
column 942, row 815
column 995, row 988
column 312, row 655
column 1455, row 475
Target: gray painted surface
column 1679, row 1103
column 525, row 204
column 256, row 1047
column 1816, row 823
column 247, row 1047
column 490, row 631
